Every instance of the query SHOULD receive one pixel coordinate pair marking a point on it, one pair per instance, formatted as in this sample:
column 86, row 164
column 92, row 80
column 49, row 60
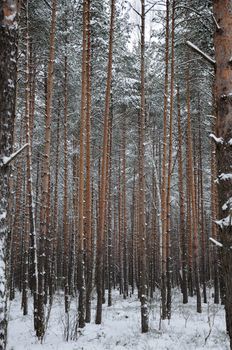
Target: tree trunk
column 55, row 225
column 182, row 208
column 168, row 241
column 223, row 86
column 65, row 198
column 164, row 175
column 124, row 216
column 82, row 293
column 192, row 193
column 8, row 71
column 102, row 200
column 45, row 203
column 88, row 225
column 142, row 216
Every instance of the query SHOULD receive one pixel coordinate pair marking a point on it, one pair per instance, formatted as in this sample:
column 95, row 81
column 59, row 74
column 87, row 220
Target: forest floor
column 120, row 328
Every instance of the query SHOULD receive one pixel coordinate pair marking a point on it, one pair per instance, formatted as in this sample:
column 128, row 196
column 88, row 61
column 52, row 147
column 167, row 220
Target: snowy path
column 121, row 328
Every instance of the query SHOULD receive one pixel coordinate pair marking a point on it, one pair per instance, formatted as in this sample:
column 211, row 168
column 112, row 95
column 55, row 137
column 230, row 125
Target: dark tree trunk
column 8, row 71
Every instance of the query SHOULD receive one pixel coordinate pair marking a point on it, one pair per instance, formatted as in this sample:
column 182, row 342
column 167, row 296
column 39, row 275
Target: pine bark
column 82, row 287
column 102, row 199
column 192, row 194
column 124, row 203
column 45, row 188
column 170, row 165
column 65, row 198
column 142, row 216
column 88, row 224
column 182, row 208
column 109, row 228
column 222, row 43
column 164, row 175
column 55, row 225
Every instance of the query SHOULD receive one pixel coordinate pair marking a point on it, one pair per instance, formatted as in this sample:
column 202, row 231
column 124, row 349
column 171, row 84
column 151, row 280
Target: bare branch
column 151, row 7
column 215, row 21
column 47, row 3
column 135, row 10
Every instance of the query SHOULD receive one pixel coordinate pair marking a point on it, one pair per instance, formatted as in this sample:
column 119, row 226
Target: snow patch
column 121, row 327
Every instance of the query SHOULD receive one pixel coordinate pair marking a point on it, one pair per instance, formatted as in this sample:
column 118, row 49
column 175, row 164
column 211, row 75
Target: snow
column 217, row 139
column 228, row 204
column 225, row 222
column 10, row 83
column 225, row 177
column 3, row 216
column 229, row 95
column 120, row 329
column 11, row 17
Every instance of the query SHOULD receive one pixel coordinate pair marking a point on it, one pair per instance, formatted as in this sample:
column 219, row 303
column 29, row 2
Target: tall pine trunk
column 103, row 181
column 192, row 197
column 88, row 196
column 168, row 241
column 223, row 86
column 8, row 71
column 142, row 216
column 164, row 175
column 45, row 188
column 182, row 208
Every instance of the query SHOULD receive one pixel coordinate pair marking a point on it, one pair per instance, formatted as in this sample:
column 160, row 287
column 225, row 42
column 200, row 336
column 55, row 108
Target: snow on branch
column 3, row 216
column 10, row 14
column 228, row 204
column 218, row 244
column 201, row 53
column 7, row 160
column 225, row 177
column 217, row 139
column 225, row 222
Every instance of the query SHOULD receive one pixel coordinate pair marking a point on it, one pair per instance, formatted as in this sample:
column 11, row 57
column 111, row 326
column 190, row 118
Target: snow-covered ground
column 120, row 329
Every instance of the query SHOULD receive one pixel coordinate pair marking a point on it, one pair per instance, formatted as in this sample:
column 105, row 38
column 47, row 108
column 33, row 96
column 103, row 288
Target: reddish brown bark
column 223, row 87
